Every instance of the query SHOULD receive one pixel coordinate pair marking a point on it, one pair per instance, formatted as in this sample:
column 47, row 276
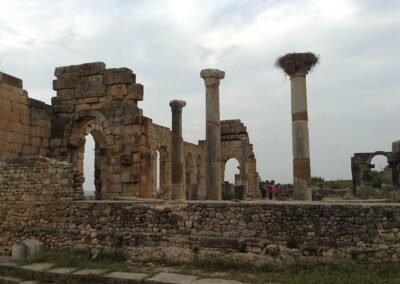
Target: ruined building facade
column 91, row 99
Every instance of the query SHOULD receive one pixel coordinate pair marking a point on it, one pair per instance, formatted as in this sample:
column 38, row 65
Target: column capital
column 177, row 104
column 297, row 64
column 212, row 77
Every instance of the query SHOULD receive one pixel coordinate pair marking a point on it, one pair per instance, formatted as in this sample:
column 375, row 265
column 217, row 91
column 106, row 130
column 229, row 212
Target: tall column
column 297, row 65
column 177, row 158
column 212, row 79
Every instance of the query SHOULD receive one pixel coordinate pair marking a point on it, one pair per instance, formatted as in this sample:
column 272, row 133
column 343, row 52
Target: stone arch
column 82, row 124
column 361, row 167
column 237, row 179
column 190, row 175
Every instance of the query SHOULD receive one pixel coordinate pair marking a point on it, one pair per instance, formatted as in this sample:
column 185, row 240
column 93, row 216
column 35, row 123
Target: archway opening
column 380, row 172
column 89, row 187
column 232, row 171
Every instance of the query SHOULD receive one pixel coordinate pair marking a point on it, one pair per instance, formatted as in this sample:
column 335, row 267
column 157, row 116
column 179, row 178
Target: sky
column 353, row 94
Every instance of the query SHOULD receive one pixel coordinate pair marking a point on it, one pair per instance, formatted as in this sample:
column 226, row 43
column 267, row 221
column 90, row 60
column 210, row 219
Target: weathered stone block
column 10, row 80
column 119, row 76
column 85, row 69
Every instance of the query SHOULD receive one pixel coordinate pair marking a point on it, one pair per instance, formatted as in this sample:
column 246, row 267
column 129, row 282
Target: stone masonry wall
column 38, row 179
column 24, row 122
column 244, row 232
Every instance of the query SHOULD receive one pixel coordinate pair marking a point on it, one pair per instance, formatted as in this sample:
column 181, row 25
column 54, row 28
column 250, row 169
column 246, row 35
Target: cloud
column 352, row 94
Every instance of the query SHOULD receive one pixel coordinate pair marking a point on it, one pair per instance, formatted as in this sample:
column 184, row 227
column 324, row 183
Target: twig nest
column 293, row 63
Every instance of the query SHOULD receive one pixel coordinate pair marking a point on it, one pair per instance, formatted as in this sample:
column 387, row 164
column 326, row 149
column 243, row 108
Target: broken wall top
column 93, row 84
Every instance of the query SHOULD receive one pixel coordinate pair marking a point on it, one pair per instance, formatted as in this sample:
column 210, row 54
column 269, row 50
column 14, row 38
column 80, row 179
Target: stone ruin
column 41, row 167
column 91, row 99
column 361, row 166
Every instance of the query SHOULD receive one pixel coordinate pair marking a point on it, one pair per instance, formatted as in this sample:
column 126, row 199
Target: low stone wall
column 38, row 179
column 248, row 232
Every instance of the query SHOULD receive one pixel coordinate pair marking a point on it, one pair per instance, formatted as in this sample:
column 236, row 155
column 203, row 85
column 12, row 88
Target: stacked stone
column 235, row 143
column 243, row 232
column 24, row 122
column 103, row 102
column 38, row 179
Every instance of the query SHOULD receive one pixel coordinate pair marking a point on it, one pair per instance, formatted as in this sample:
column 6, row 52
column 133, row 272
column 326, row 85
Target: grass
column 82, row 259
column 343, row 272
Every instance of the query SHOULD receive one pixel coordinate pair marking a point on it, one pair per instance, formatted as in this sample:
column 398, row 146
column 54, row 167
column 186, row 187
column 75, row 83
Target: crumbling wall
column 38, row 179
column 243, row 232
column 235, row 143
column 103, row 102
column 24, row 122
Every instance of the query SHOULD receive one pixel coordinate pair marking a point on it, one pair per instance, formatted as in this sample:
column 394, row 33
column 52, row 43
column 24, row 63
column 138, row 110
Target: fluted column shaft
column 212, row 79
column 177, row 156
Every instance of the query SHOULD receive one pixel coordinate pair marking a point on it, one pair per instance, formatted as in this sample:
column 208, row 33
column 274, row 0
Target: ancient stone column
column 177, row 157
column 297, row 65
column 212, row 79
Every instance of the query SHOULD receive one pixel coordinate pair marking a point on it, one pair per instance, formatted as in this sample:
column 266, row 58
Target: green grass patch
column 343, row 271
column 82, row 259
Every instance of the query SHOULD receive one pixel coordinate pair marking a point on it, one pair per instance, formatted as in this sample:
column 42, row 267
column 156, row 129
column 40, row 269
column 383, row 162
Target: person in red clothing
column 270, row 190
column 277, row 190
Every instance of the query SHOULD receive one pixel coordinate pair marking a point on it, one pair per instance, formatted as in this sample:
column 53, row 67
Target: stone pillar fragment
column 297, row 65
column 212, row 79
column 177, row 156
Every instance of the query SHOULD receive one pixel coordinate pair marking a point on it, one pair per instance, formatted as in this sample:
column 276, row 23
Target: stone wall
column 244, row 232
column 24, row 122
column 38, row 179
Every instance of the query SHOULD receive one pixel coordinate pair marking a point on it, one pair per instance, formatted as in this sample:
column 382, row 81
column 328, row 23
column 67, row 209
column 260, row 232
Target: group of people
column 271, row 189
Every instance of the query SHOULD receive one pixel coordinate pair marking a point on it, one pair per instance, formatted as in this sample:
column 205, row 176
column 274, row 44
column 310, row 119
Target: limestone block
column 33, row 247
column 65, row 83
column 10, row 80
column 86, row 69
column 18, row 251
column 117, row 90
column 135, row 92
column 119, row 76
column 5, row 105
column 63, row 108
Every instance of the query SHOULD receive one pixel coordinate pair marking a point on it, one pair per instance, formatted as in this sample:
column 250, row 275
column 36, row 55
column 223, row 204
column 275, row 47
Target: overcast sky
column 353, row 94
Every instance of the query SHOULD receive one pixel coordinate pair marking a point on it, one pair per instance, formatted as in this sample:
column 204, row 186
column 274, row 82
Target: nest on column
column 292, row 63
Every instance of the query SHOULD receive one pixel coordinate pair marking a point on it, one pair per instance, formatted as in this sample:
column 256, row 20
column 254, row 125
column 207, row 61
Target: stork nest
column 292, row 63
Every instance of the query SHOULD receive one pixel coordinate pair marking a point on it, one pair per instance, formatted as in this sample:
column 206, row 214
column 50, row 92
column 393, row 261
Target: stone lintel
column 10, row 80
column 177, row 105
column 212, row 76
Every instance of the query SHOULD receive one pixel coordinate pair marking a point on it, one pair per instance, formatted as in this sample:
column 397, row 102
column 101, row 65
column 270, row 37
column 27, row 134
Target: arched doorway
column 232, row 171
column 88, row 128
column 89, row 173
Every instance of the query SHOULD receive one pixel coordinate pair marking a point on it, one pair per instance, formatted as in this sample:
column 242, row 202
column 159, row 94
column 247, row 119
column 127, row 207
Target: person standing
column 277, row 190
column 270, row 190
